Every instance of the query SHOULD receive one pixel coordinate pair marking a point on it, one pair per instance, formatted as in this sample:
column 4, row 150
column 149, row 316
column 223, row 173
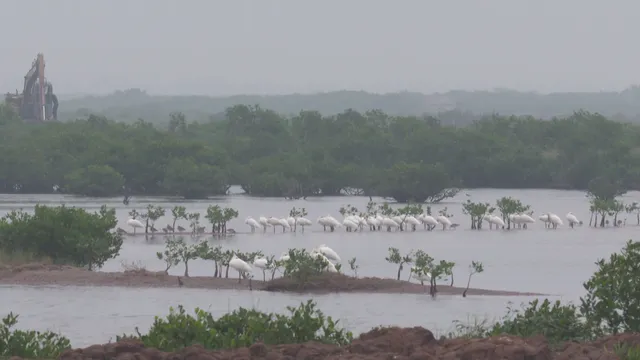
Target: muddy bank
column 329, row 282
column 40, row 274
column 386, row 343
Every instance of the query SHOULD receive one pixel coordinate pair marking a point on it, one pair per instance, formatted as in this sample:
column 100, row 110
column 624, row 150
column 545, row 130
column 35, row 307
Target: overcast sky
column 220, row 47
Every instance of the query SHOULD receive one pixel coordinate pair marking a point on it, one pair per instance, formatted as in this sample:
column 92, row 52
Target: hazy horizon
column 220, row 48
column 495, row 90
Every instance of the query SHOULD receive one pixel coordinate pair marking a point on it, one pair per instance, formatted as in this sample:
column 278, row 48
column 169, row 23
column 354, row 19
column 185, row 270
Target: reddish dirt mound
column 382, row 343
column 39, row 274
column 331, row 282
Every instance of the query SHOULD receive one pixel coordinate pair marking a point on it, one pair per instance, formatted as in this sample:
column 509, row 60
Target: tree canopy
column 408, row 158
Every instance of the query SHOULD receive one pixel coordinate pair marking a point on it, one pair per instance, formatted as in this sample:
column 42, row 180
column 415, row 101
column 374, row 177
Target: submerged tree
column 477, row 212
column 409, row 210
column 509, row 206
column 633, row 208
column 602, row 193
column 154, row 212
column 296, row 214
column 178, row 212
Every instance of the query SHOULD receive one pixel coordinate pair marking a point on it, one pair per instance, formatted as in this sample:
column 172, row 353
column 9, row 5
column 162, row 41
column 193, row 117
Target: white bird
column 291, row 221
column 520, row 220
column 284, row 257
column 554, row 220
column 322, row 220
column 429, row 221
column 350, row 225
column 240, row 265
column 352, row 218
column 422, row 277
column 332, row 222
column 264, row 223
column 495, row 220
column 328, row 252
column 330, row 266
column 373, row 223
column 135, row 224
column 398, row 219
column 273, row 222
column 545, row 219
column 412, row 221
column 362, row 222
column 526, row 219
column 444, row 221
column 285, row 224
column 573, row 220
column 261, row 263
column 252, row 223
column 389, row 223
column 302, row 221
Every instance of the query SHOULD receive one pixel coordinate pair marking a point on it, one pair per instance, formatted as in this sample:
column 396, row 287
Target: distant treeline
column 455, row 107
column 408, row 158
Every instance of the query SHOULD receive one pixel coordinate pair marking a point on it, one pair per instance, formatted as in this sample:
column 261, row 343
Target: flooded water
column 553, row 262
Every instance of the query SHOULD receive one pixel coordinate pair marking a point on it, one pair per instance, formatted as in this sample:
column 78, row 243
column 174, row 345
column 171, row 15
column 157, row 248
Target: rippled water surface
column 534, row 260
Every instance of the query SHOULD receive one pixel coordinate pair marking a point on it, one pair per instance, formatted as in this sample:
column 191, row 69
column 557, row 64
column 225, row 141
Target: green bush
column 627, row 352
column 302, row 265
column 29, row 344
column 242, row 327
column 610, row 306
column 612, row 302
column 555, row 321
column 66, row 235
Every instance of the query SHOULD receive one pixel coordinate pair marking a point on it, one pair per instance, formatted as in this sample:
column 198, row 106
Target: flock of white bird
column 377, row 222
column 330, row 257
column 357, row 223
column 245, row 270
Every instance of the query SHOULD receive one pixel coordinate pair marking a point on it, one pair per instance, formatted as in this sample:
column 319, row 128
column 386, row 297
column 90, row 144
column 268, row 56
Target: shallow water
column 534, row 260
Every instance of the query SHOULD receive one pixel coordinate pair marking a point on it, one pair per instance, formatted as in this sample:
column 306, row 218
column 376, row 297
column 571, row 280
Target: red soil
column 383, row 343
column 39, row 274
column 330, row 282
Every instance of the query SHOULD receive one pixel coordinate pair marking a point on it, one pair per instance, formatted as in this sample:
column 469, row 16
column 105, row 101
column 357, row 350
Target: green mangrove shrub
column 302, row 265
column 29, row 344
column 610, row 306
column 66, row 235
column 241, row 328
column 554, row 320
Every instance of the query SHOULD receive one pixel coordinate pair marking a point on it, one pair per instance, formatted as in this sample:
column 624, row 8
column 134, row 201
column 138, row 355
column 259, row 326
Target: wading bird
column 252, row 223
column 573, row 220
column 135, row 224
column 261, row 263
column 240, row 266
column 328, row 252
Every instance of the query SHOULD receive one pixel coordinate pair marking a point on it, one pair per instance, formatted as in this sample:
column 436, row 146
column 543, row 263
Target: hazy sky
column 281, row 46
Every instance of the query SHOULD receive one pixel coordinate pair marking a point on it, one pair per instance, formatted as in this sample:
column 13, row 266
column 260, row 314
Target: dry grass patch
column 132, row 265
column 21, row 258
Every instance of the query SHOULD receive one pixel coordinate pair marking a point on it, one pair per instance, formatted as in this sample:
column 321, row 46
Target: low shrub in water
column 242, row 327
